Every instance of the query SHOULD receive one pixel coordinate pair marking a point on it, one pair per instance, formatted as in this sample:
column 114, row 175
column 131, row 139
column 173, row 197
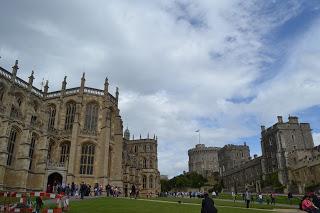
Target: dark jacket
column 208, row 206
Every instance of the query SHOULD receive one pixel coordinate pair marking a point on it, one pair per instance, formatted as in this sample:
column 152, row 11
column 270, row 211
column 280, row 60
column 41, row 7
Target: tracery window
column 12, row 140
column 1, row 91
column 32, row 148
column 70, row 114
column 150, row 182
column 87, row 159
column 52, row 116
column 91, row 117
column 144, row 163
column 144, row 182
column 65, row 151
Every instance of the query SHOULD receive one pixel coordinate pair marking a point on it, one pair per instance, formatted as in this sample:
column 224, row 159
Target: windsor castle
column 289, row 160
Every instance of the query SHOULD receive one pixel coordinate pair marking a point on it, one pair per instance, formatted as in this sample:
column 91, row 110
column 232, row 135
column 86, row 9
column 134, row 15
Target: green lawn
column 120, row 205
column 282, row 199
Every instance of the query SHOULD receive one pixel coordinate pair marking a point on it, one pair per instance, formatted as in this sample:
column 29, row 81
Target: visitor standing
column 208, row 205
column 83, row 190
column 248, row 198
column 39, row 204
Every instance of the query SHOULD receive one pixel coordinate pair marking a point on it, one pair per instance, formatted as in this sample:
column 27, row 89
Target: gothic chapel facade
column 70, row 135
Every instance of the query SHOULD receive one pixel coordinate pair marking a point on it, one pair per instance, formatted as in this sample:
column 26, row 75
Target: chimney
column 280, row 120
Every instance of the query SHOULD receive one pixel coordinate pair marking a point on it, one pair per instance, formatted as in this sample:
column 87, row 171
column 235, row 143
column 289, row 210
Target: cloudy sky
column 224, row 67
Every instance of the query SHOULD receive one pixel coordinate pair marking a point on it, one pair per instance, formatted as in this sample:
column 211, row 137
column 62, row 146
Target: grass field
column 120, row 205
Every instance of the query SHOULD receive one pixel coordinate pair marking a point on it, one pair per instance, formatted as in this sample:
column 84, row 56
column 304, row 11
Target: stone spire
column 46, row 87
column 117, row 94
column 83, row 80
column 106, row 87
column 148, row 135
column 14, row 71
column 64, row 83
column 31, row 78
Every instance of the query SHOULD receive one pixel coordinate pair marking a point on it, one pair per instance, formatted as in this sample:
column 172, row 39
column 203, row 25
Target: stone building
column 288, row 152
column 203, row 160
column 70, row 135
column 305, row 168
column 246, row 176
column 233, row 156
column 278, row 141
column 140, row 165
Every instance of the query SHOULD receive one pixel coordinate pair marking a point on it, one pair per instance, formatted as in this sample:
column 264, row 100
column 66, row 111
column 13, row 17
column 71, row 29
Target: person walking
column 207, row 205
column 39, row 204
column 248, row 198
column 83, row 190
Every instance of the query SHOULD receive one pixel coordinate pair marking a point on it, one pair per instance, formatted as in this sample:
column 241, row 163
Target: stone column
column 73, row 155
column 4, row 135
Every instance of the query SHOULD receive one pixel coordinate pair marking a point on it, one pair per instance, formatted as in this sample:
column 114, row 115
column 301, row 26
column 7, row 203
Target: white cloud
column 177, row 63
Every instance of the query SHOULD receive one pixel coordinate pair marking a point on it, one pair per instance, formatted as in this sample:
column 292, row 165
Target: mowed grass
column 121, row 205
column 221, row 203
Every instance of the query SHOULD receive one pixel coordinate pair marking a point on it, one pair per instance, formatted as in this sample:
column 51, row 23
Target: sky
column 224, row 67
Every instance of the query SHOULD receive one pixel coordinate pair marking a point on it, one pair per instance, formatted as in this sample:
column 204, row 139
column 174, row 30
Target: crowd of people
column 83, row 189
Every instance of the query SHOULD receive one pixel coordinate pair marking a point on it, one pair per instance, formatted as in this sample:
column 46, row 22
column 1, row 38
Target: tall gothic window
column 52, row 116
column 31, row 150
column 87, row 159
column 144, row 182
column 91, row 118
column 64, row 154
column 144, row 163
column 1, row 92
column 70, row 114
column 11, row 143
column 150, row 182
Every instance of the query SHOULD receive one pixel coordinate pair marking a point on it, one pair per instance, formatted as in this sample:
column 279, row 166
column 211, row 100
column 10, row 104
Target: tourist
column 308, row 206
column 108, row 188
column 133, row 191
column 290, row 198
column 260, row 198
column 208, row 205
column 39, row 204
column 315, row 199
column 234, row 196
column 248, row 198
column 273, row 199
column 83, row 189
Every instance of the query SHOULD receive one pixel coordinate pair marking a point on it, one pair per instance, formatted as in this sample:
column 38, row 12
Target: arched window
column 70, row 114
column 32, row 148
column 150, row 182
column 52, row 116
column 144, row 163
column 12, row 140
column 87, row 159
column 91, row 118
column 144, row 182
column 2, row 88
column 64, row 154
